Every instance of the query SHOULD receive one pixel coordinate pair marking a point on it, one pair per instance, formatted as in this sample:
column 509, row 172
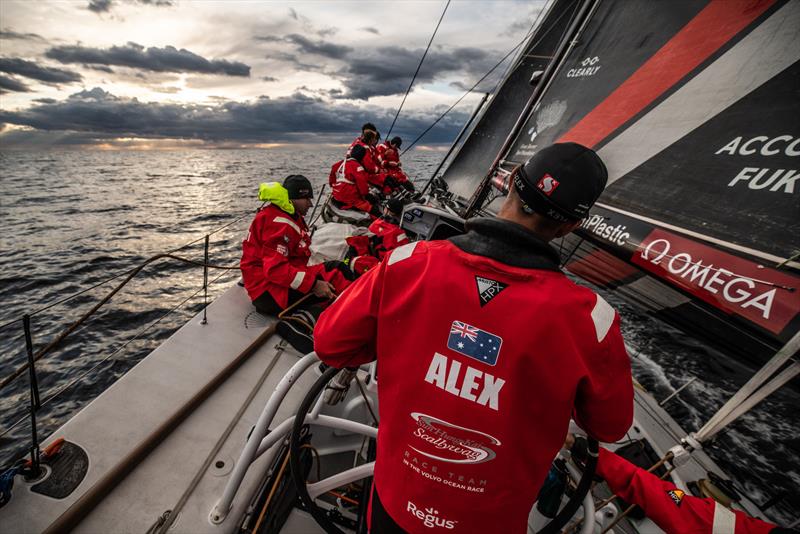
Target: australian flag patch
column 473, row 342
column 488, row 289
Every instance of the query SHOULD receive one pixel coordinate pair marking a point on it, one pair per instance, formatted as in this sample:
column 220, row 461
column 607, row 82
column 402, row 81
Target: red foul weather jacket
column 275, row 255
column 670, row 508
column 389, row 236
column 389, row 160
column 370, row 161
column 485, row 349
column 350, row 185
column 388, row 157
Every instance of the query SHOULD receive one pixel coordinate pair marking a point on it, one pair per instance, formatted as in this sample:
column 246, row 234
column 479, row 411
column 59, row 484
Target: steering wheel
column 298, row 476
column 321, row 517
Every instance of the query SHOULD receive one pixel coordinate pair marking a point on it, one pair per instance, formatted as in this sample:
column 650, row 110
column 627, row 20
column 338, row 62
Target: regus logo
column 430, row 517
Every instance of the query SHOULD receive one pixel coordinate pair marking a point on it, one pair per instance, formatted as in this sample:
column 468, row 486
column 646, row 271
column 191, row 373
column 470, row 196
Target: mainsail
column 693, row 107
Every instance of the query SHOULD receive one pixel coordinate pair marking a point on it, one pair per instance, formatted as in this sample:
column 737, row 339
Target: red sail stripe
column 714, row 26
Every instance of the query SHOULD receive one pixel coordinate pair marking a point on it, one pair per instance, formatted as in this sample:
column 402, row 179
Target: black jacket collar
column 507, row 242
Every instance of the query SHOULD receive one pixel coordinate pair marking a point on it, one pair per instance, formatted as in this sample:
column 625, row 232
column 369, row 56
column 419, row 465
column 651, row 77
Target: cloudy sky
column 165, row 73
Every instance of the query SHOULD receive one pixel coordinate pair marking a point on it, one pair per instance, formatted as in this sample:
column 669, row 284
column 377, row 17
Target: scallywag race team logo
column 451, row 443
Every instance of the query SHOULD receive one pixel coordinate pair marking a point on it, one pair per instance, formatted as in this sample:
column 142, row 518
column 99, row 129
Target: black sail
column 693, row 107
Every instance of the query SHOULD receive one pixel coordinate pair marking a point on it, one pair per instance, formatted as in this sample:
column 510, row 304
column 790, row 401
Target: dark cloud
column 384, row 70
column 287, row 119
column 269, row 79
column 101, row 68
column 370, row 29
column 11, row 85
column 8, row 34
column 45, row 100
column 307, row 46
column 328, row 31
column 320, row 48
column 32, row 70
column 388, row 70
column 104, row 6
column 295, row 62
column 167, row 59
column 99, row 6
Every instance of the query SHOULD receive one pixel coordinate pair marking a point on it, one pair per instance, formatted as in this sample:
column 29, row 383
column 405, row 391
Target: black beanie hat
column 396, row 141
column 298, row 186
column 395, row 205
column 562, row 181
column 358, row 152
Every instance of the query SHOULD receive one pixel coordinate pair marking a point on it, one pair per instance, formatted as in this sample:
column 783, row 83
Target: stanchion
column 205, row 283
column 34, row 385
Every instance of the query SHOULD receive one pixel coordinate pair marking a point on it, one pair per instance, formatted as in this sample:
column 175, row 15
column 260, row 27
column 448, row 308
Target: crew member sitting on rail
column 673, row 510
column 389, row 159
column 276, row 250
column 485, row 349
column 350, row 184
column 369, row 139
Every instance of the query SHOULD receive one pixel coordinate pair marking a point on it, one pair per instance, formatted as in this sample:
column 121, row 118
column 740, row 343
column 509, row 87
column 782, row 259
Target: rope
column 417, row 71
column 70, row 329
column 271, row 493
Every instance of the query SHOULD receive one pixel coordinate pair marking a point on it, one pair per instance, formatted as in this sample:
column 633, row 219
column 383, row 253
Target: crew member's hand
column 323, row 289
column 337, row 388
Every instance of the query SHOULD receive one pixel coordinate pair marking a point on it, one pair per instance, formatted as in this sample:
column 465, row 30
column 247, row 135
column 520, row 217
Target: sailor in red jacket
column 368, row 139
column 389, row 159
column 276, row 250
column 673, row 510
column 350, row 184
column 485, row 350
column 388, row 234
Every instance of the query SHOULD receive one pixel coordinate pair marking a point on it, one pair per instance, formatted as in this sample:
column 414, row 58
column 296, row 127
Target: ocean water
column 72, row 220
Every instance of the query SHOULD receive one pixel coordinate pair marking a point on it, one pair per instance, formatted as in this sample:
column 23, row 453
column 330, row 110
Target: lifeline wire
column 119, row 275
column 70, row 329
column 417, row 71
column 136, row 336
